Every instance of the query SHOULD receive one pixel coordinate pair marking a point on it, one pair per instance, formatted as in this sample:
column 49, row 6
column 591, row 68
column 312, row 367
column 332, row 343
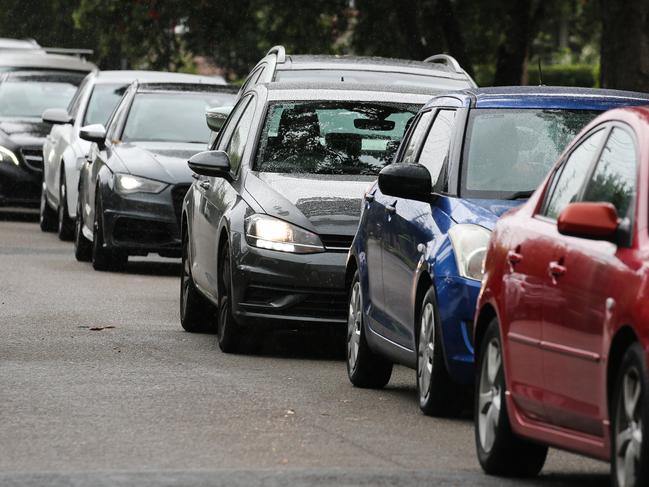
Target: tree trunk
column 625, row 44
column 453, row 34
column 512, row 52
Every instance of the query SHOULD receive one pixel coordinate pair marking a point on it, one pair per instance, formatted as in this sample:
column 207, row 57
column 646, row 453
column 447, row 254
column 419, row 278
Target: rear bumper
column 280, row 290
column 19, row 185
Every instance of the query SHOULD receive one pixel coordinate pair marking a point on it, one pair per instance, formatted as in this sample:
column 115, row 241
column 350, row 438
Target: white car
column 64, row 151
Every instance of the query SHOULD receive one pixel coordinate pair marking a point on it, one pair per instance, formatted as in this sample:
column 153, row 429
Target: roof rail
column 65, row 50
column 280, row 51
column 449, row 61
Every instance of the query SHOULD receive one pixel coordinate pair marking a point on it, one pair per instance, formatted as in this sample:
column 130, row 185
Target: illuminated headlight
column 267, row 232
column 470, row 245
column 8, row 156
column 127, row 184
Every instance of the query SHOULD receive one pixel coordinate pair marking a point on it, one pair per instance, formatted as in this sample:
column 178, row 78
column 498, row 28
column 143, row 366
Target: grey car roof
column 39, row 60
column 128, row 76
column 19, row 44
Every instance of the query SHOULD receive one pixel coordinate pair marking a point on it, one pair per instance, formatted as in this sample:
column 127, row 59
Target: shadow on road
column 308, row 345
column 569, row 479
column 18, row 215
column 169, row 269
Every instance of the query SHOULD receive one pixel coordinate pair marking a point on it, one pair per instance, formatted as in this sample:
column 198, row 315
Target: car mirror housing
column 94, row 133
column 216, row 117
column 597, row 221
column 405, row 180
column 56, row 116
column 215, row 163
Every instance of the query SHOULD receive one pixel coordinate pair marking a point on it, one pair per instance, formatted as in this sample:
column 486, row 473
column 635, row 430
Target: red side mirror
column 589, row 220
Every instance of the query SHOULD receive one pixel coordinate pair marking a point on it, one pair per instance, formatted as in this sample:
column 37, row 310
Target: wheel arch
column 623, row 339
column 350, row 270
column 224, row 237
column 484, row 317
column 424, row 283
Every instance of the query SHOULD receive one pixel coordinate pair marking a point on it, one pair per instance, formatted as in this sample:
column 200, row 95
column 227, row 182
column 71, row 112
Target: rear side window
column 568, row 180
column 614, row 178
column 416, row 136
column 434, row 153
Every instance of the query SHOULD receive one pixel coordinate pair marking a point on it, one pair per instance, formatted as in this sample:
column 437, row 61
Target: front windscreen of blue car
column 508, row 151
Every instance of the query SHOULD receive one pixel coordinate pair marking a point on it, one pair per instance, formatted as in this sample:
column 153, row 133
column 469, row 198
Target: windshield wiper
column 519, row 195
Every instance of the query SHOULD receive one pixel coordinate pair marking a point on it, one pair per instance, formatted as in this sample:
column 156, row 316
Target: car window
column 416, row 136
column 223, row 140
column 614, row 178
column 115, row 119
column 73, row 107
column 102, row 102
column 237, row 145
column 570, row 178
column 438, row 141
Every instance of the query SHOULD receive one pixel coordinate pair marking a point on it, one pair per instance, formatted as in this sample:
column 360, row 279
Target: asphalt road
column 140, row 402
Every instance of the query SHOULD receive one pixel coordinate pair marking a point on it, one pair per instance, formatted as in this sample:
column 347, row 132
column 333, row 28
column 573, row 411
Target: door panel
column 374, row 220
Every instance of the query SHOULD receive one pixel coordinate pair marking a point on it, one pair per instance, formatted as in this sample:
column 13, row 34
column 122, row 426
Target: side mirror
column 216, row 117
column 404, row 180
column 215, row 163
column 94, row 133
column 56, row 116
column 597, row 221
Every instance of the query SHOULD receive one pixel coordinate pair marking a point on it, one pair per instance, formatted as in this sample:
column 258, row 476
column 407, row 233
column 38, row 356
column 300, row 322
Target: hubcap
column 354, row 326
column 628, row 434
column 426, row 350
column 489, row 402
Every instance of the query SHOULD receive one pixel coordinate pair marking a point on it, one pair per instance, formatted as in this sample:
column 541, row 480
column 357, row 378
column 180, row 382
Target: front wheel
column 82, row 246
column 47, row 216
column 103, row 257
column 65, row 223
column 229, row 333
column 364, row 367
column 500, row 451
column 630, row 424
column 196, row 313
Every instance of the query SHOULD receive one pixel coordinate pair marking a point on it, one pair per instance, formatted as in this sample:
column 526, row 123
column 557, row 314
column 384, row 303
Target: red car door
column 583, row 280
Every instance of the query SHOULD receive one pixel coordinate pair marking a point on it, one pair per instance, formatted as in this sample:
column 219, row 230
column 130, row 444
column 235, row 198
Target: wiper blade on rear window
column 519, row 195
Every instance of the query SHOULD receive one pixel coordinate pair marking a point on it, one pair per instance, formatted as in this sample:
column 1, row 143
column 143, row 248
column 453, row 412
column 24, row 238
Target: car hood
column 325, row 204
column 162, row 161
column 24, row 133
column 480, row 211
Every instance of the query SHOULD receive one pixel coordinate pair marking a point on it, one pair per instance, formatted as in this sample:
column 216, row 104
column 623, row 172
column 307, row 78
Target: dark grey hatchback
column 267, row 225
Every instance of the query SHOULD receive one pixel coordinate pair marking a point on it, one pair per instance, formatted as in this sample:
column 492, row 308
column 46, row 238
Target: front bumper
column 284, row 290
column 456, row 301
column 20, row 185
column 142, row 223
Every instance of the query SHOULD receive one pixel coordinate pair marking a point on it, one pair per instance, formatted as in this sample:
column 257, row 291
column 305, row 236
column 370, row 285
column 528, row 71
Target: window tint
column 78, row 96
column 435, row 150
column 116, row 119
column 237, row 144
column 414, row 141
column 570, row 178
column 102, row 102
column 615, row 175
column 226, row 132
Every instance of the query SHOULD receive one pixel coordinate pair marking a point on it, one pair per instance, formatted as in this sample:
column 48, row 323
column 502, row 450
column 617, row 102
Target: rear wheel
column 436, row 391
column 630, row 424
column 500, row 451
column 229, row 333
column 82, row 246
column 104, row 258
column 364, row 367
column 65, row 223
column 47, row 216
column 196, row 313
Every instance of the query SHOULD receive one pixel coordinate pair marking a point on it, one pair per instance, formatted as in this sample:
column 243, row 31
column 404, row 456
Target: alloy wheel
column 61, row 215
column 354, row 326
column 628, row 429
column 426, row 350
column 489, row 401
column 186, row 279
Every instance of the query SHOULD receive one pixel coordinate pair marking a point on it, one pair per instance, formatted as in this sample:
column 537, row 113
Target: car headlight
column 470, row 245
column 267, row 232
column 127, row 184
column 7, row 155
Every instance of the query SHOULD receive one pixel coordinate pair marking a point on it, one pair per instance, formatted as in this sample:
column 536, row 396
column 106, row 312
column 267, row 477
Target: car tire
column 196, row 313
column 436, row 391
column 82, row 246
column 229, row 333
column 104, row 258
column 500, row 451
column 65, row 223
column 630, row 421
column 47, row 216
column 365, row 368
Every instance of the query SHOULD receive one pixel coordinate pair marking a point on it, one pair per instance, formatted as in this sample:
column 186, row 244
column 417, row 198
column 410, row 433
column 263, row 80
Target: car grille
column 136, row 230
column 337, row 243
column 33, row 159
column 178, row 195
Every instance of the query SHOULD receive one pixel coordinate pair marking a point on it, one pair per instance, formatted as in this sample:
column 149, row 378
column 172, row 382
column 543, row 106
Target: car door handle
column 556, row 269
column 514, row 257
column 204, row 184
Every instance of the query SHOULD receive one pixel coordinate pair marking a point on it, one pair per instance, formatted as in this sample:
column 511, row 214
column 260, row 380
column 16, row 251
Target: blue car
column 415, row 266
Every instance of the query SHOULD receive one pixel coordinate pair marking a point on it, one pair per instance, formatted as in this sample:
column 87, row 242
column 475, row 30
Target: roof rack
column 68, row 51
column 280, row 51
column 449, row 61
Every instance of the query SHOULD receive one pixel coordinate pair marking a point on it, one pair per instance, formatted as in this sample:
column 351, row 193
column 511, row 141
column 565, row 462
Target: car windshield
column 508, row 152
column 28, row 95
column 103, row 101
column 325, row 137
column 172, row 116
column 435, row 80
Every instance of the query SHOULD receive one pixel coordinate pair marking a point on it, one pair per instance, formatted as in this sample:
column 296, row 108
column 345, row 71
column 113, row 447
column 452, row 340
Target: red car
column 562, row 324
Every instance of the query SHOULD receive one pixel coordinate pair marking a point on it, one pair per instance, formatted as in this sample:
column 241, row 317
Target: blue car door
column 409, row 228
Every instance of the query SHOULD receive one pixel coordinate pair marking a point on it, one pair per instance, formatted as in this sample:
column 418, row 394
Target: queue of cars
column 285, row 224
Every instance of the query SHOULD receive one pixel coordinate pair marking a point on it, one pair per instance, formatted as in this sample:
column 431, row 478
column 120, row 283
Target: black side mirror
column 404, row 180
column 215, row 163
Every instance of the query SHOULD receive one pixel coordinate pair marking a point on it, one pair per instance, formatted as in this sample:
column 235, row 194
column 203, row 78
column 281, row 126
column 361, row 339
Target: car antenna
column 540, row 72
column 342, row 79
